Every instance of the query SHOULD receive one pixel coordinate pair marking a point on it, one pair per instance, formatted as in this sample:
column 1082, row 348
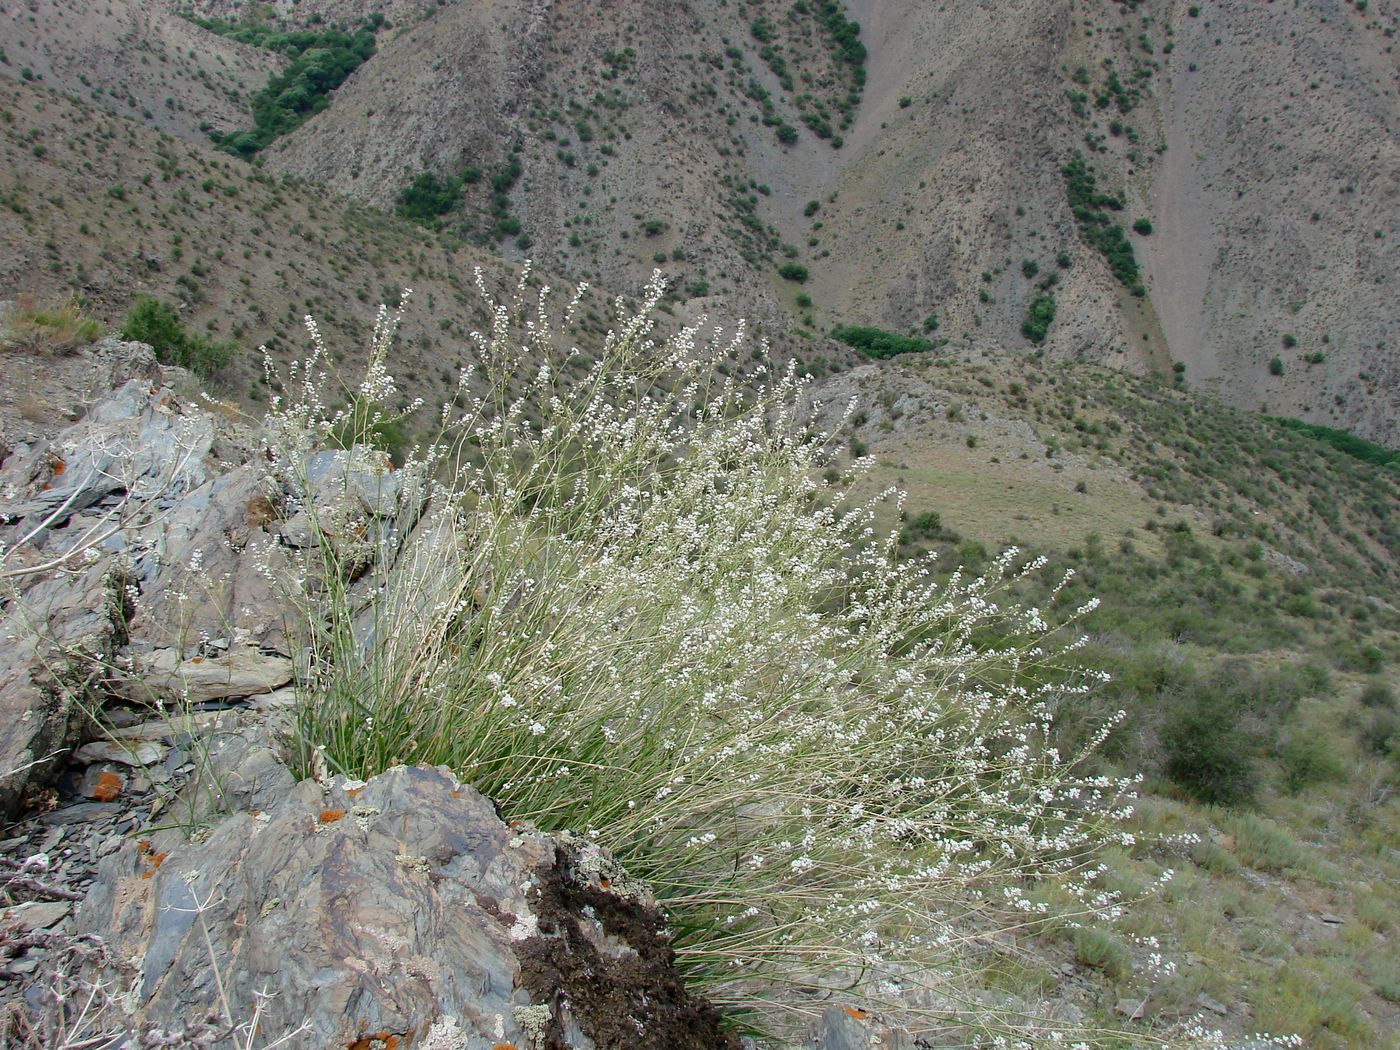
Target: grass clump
column 1101, row 950
column 55, row 328
column 631, row 609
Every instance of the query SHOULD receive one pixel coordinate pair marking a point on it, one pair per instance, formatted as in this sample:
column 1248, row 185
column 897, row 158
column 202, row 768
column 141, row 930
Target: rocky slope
column 1262, row 150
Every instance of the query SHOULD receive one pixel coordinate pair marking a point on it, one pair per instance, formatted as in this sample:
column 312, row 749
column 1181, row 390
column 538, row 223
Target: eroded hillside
column 1235, row 216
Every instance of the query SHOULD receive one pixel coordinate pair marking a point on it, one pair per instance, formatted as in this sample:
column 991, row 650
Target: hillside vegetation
column 1110, row 283
column 908, row 156
column 1247, row 572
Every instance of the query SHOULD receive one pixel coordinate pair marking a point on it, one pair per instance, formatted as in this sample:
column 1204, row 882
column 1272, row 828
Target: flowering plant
column 632, row 608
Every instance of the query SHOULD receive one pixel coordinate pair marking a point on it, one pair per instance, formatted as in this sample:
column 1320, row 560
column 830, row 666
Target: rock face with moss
column 402, row 910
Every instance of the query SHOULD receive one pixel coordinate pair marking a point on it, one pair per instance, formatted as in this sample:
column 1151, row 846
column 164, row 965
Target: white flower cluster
column 631, row 570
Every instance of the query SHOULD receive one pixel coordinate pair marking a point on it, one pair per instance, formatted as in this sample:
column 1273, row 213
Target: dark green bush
column 1208, row 754
column 1381, row 733
column 157, row 325
column 321, row 60
column 793, row 272
column 1342, row 441
column 876, row 342
column 1378, row 695
column 1039, row 314
column 427, row 197
column 1307, row 757
column 1091, row 209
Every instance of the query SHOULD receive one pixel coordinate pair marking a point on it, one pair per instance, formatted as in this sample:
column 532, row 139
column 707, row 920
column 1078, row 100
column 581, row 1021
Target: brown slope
column 136, row 58
column 1276, row 206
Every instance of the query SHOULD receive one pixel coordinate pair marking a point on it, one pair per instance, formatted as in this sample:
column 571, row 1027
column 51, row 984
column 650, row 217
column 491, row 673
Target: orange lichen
column 259, row 511
column 504, row 1046
column 108, row 787
column 858, row 1014
column 330, row 816
column 605, row 883
column 374, row 1041
column 57, row 466
column 355, row 792
column 154, row 860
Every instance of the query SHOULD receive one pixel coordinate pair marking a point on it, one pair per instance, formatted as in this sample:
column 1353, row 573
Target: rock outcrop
column 149, row 668
column 398, row 912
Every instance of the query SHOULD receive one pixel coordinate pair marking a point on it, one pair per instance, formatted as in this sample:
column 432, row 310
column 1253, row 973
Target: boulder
column 137, row 444
column 244, row 671
column 58, row 633
column 400, row 912
column 206, row 567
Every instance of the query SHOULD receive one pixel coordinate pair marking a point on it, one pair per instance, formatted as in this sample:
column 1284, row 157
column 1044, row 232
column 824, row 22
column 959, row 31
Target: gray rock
column 139, row 442
column 82, row 813
column 240, row 672
column 102, row 783
column 58, row 633
column 205, row 566
column 128, row 752
column 1213, row 1005
column 401, row 908
column 848, row 1028
column 1132, row 1009
column 35, row 915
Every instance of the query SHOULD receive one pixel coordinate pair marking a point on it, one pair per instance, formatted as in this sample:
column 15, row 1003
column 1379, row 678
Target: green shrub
column 321, row 60
column 1276, row 366
column 1381, row 732
column 1091, row 208
column 878, row 343
column 1039, row 315
column 1307, row 758
column 157, row 325
column 1341, row 440
column 1101, row 950
column 427, row 198
column 793, row 272
column 1378, row 695
column 1207, row 754
column 1143, row 226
